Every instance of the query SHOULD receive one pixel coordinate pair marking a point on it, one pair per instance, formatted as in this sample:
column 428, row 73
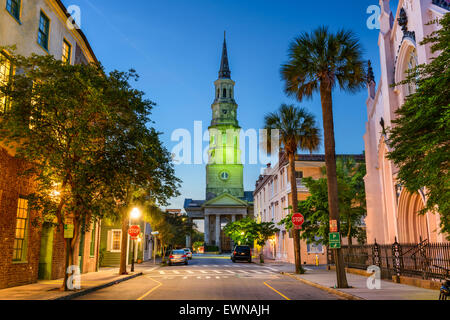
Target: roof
column 189, row 203
column 224, row 72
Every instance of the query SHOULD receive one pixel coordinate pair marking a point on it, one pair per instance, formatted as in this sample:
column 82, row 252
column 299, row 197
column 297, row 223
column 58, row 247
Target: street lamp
column 135, row 214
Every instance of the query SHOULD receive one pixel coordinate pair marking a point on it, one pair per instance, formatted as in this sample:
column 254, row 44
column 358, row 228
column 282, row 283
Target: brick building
column 29, row 252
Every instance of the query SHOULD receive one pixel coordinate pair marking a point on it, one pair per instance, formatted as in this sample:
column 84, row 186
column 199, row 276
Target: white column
column 207, row 229
column 233, row 218
column 218, row 231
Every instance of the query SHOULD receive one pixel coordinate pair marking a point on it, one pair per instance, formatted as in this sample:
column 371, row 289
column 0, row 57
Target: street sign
column 298, row 220
column 333, row 226
column 134, row 231
column 68, row 228
column 68, row 231
column 335, row 240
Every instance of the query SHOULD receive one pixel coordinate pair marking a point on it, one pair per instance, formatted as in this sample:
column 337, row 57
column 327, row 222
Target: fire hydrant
column 317, row 260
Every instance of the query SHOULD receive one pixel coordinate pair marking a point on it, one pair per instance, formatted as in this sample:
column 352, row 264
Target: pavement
column 320, row 277
column 212, row 278
column 216, row 277
column 51, row 289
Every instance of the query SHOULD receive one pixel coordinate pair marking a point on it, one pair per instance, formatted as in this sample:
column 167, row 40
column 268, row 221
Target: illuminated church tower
column 224, row 172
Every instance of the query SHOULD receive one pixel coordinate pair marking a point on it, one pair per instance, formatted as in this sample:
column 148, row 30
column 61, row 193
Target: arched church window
column 224, row 92
column 218, row 92
column 411, row 64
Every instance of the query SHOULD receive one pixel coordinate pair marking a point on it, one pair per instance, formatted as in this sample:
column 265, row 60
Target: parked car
column 178, row 256
column 241, row 253
column 188, row 253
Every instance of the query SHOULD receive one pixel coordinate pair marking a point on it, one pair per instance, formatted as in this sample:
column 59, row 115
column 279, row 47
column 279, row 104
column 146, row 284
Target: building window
column 314, row 248
column 13, row 7
column 20, row 243
column 44, row 29
column 224, row 93
column 411, row 87
column 92, row 248
column 6, row 71
column 115, row 243
column 66, row 51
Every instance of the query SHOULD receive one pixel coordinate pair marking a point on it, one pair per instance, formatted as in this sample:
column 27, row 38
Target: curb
column 345, row 295
column 90, row 290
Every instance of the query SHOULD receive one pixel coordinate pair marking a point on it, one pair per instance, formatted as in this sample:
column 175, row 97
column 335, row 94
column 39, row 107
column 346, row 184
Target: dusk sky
column 175, row 46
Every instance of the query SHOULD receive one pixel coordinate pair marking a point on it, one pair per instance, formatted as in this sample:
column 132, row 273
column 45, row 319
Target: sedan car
column 241, row 253
column 178, row 256
column 188, row 253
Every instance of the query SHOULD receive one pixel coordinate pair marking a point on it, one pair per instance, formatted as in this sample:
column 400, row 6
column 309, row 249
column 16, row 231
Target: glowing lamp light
column 135, row 213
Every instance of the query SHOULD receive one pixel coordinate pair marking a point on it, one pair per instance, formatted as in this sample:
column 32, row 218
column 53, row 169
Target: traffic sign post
column 134, row 232
column 298, row 220
column 335, row 240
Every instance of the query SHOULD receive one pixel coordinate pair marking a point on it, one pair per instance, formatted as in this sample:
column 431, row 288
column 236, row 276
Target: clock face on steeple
column 224, row 175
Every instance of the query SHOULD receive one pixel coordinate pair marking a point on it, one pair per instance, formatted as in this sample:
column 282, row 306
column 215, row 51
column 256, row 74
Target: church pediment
column 225, row 200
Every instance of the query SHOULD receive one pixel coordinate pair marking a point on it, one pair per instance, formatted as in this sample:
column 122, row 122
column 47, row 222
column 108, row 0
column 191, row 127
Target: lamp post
column 135, row 214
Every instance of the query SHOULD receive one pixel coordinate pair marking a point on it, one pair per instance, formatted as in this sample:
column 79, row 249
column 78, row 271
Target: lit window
column 5, row 77
column 13, row 7
column 43, row 33
column 66, row 51
column 21, row 230
column 116, row 240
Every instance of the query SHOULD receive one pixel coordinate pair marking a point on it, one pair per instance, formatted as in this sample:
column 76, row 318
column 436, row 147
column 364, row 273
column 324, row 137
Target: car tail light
column 183, row 256
column 234, row 252
column 171, row 257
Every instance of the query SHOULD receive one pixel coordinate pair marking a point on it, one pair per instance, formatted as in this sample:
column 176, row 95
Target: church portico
column 226, row 201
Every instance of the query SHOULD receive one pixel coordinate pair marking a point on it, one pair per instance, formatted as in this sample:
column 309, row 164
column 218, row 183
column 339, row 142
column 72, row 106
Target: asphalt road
column 211, row 278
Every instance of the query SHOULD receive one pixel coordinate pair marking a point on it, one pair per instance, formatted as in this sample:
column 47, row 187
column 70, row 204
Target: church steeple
column 224, row 72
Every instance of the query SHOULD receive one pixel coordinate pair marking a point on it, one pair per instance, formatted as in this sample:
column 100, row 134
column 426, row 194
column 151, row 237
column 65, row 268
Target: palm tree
column 320, row 62
column 297, row 130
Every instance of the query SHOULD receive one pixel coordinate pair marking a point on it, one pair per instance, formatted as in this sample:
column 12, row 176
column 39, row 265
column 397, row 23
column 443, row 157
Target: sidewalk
column 326, row 279
column 50, row 289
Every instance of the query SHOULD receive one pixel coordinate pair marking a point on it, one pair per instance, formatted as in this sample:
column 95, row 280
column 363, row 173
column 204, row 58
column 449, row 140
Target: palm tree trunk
column 330, row 161
column 297, row 253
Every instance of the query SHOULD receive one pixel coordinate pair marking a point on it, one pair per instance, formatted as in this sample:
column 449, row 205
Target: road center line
column 277, row 291
column 151, row 290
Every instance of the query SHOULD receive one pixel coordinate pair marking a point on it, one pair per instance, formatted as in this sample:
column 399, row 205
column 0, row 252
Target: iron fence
column 423, row 260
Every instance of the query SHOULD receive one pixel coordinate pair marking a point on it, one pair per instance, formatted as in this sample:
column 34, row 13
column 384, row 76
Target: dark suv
column 241, row 253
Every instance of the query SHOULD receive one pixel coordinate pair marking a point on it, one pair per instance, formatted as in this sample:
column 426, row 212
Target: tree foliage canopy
column 420, row 135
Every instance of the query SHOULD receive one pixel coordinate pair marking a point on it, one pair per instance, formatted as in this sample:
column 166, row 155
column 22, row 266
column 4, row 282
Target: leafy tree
column 352, row 204
column 420, row 136
column 246, row 231
column 297, row 130
column 320, row 62
column 242, row 232
column 84, row 133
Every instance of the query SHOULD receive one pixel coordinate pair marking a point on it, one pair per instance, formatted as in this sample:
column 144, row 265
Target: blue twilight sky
column 175, row 46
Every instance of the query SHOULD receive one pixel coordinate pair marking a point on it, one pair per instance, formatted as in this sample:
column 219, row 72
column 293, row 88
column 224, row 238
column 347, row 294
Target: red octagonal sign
column 298, row 220
column 134, row 231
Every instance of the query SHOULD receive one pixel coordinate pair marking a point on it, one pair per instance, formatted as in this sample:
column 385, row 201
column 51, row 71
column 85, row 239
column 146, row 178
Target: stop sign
column 134, row 231
column 298, row 220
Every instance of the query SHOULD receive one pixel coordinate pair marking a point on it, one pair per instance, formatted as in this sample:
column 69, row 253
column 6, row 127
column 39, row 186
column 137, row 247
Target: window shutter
column 108, row 242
